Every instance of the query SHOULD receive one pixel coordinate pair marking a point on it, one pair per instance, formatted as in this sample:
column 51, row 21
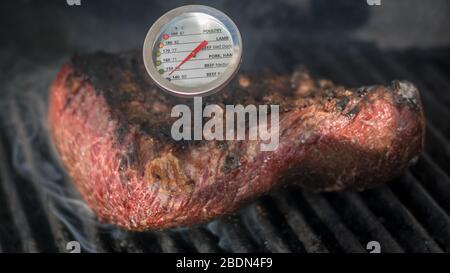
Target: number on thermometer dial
column 195, row 50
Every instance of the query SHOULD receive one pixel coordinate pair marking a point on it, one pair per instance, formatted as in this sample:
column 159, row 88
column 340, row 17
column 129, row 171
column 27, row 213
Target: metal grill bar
column 53, row 226
column 335, row 69
column 256, row 221
column 434, row 179
column 298, row 223
column 203, row 241
column 435, row 80
column 436, row 142
column 426, row 210
column 137, row 242
column 413, row 216
column 437, row 145
column 362, row 221
column 377, row 76
column 276, row 216
column 400, row 221
column 424, row 205
column 18, row 231
column 232, row 235
column 330, row 218
column 168, row 244
column 34, row 214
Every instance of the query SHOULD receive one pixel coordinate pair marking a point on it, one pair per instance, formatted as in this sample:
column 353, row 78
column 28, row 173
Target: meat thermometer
column 192, row 50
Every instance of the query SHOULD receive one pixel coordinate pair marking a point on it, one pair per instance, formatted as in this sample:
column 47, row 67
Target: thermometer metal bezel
column 180, row 13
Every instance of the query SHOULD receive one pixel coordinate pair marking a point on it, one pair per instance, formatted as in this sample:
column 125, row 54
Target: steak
column 111, row 127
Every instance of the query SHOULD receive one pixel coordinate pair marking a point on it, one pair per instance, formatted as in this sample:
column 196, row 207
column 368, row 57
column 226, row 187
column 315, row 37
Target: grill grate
column 411, row 214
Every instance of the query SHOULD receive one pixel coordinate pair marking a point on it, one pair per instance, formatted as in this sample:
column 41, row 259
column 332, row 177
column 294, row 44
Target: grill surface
column 40, row 211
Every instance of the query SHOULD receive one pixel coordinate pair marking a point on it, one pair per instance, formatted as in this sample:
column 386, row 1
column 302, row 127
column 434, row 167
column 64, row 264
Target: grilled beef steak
column 111, row 126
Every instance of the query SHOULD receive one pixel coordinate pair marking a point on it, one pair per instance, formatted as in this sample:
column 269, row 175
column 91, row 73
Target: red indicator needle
column 191, row 55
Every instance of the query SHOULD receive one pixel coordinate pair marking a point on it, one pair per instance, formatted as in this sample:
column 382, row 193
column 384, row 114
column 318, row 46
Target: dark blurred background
column 48, row 30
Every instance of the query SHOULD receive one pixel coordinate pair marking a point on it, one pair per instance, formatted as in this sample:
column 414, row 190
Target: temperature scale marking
column 196, row 50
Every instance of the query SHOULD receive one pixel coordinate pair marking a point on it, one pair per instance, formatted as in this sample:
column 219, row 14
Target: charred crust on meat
column 230, row 163
column 362, row 91
column 354, row 111
column 124, row 78
column 406, row 94
column 340, row 105
column 135, row 175
column 167, row 173
column 223, row 145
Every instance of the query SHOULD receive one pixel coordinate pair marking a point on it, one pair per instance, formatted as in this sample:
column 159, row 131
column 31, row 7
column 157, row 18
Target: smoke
column 32, row 158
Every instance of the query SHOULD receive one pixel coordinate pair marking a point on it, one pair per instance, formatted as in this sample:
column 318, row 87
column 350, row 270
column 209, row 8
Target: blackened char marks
column 115, row 142
column 131, row 99
column 340, row 105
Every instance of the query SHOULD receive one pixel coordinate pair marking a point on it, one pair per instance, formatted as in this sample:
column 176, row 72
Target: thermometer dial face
column 192, row 50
